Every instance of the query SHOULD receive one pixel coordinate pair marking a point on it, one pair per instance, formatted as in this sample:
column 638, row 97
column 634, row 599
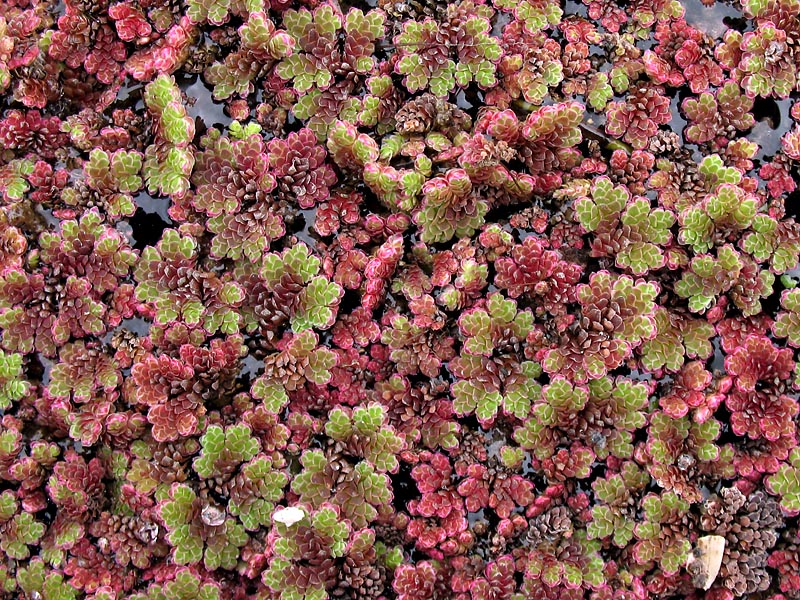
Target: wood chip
column 705, row 560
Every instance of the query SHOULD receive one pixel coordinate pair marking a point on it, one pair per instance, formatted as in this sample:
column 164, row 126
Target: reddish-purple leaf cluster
column 486, row 300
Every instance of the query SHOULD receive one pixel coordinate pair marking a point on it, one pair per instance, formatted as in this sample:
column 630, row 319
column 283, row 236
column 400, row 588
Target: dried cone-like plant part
column 705, row 560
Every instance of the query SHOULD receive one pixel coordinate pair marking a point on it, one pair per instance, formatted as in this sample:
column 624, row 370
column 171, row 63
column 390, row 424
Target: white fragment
column 289, row 515
column 708, row 554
